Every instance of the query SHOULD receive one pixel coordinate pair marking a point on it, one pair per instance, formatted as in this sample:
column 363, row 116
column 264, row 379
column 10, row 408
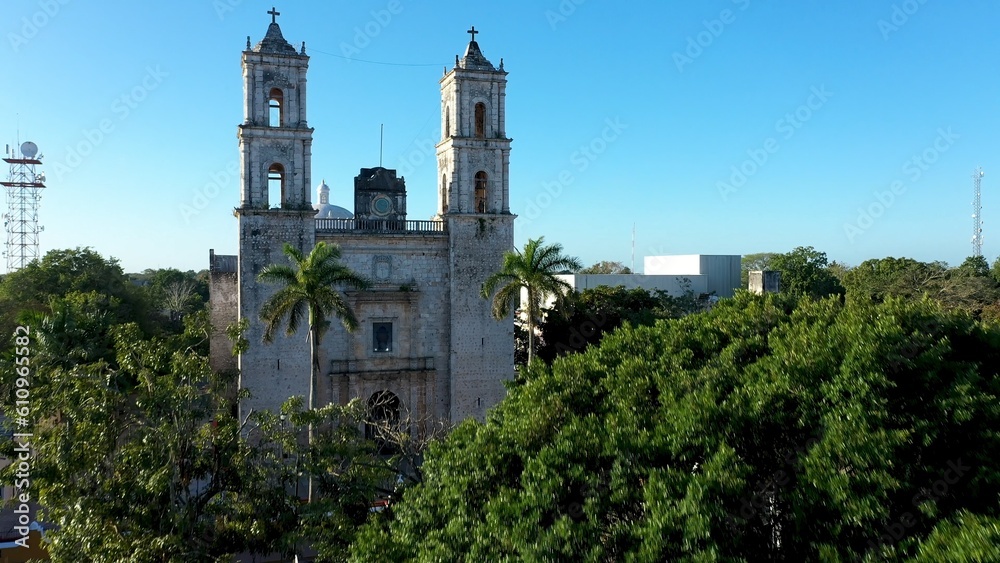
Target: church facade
column 427, row 344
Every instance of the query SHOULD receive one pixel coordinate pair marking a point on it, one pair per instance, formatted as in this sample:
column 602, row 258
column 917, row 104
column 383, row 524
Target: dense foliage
column 606, row 267
column 584, row 317
column 760, row 430
column 136, row 452
column 970, row 287
column 173, row 293
column 973, row 286
column 61, row 272
column 139, row 456
column 157, row 300
column 862, row 426
column 804, row 271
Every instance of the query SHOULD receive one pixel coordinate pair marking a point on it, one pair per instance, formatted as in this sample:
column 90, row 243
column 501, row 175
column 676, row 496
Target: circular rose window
column 381, row 205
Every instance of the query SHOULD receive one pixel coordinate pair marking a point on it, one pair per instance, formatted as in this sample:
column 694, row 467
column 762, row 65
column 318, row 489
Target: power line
column 314, row 50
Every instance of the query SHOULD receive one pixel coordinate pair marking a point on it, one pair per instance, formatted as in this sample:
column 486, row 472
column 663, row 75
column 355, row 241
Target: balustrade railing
column 379, row 225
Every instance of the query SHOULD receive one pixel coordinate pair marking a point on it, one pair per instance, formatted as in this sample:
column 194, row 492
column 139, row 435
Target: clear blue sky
column 642, row 109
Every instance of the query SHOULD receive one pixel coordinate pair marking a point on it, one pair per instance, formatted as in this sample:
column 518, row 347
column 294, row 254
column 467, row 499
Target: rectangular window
column 382, row 337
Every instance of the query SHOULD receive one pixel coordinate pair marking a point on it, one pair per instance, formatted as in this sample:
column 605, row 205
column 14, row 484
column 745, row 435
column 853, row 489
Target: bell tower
column 474, row 201
column 275, row 140
column 474, row 152
column 275, row 157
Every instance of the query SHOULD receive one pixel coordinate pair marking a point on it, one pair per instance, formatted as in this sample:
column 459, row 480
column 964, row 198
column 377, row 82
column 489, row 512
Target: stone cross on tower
column 472, row 32
column 274, row 15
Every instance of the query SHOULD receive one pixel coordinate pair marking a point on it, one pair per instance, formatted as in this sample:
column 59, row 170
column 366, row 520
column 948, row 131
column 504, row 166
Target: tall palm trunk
column 531, row 340
column 306, row 288
column 531, row 325
column 313, row 376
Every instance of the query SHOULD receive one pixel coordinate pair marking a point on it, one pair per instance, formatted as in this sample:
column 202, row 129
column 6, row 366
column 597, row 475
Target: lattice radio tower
column 24, row 191
column 977, row 212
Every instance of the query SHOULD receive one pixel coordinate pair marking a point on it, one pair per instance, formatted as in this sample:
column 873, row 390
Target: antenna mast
column 977, row 212
column 633, row 249
column 24, row 191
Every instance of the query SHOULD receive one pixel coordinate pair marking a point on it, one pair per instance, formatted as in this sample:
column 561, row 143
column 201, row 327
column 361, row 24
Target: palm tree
column 310, row 287
column 535, row 271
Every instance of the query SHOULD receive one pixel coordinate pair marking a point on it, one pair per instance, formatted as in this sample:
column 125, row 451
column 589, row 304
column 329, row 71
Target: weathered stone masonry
column 425, row 335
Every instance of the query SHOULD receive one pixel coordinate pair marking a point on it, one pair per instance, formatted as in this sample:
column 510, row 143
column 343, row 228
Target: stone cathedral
column 427, row 344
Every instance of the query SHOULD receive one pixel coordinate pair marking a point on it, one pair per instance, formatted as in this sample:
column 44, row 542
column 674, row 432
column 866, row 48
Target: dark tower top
column 379, row 199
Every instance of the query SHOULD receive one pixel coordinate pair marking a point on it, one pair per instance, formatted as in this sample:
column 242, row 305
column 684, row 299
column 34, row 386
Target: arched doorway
column 382, row 425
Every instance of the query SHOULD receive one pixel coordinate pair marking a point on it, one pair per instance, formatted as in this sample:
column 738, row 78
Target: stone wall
column 278, row 370
column 762, row 282
column 223, row 301
column 482, row 348
column 448, row 356
column 410, row 274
